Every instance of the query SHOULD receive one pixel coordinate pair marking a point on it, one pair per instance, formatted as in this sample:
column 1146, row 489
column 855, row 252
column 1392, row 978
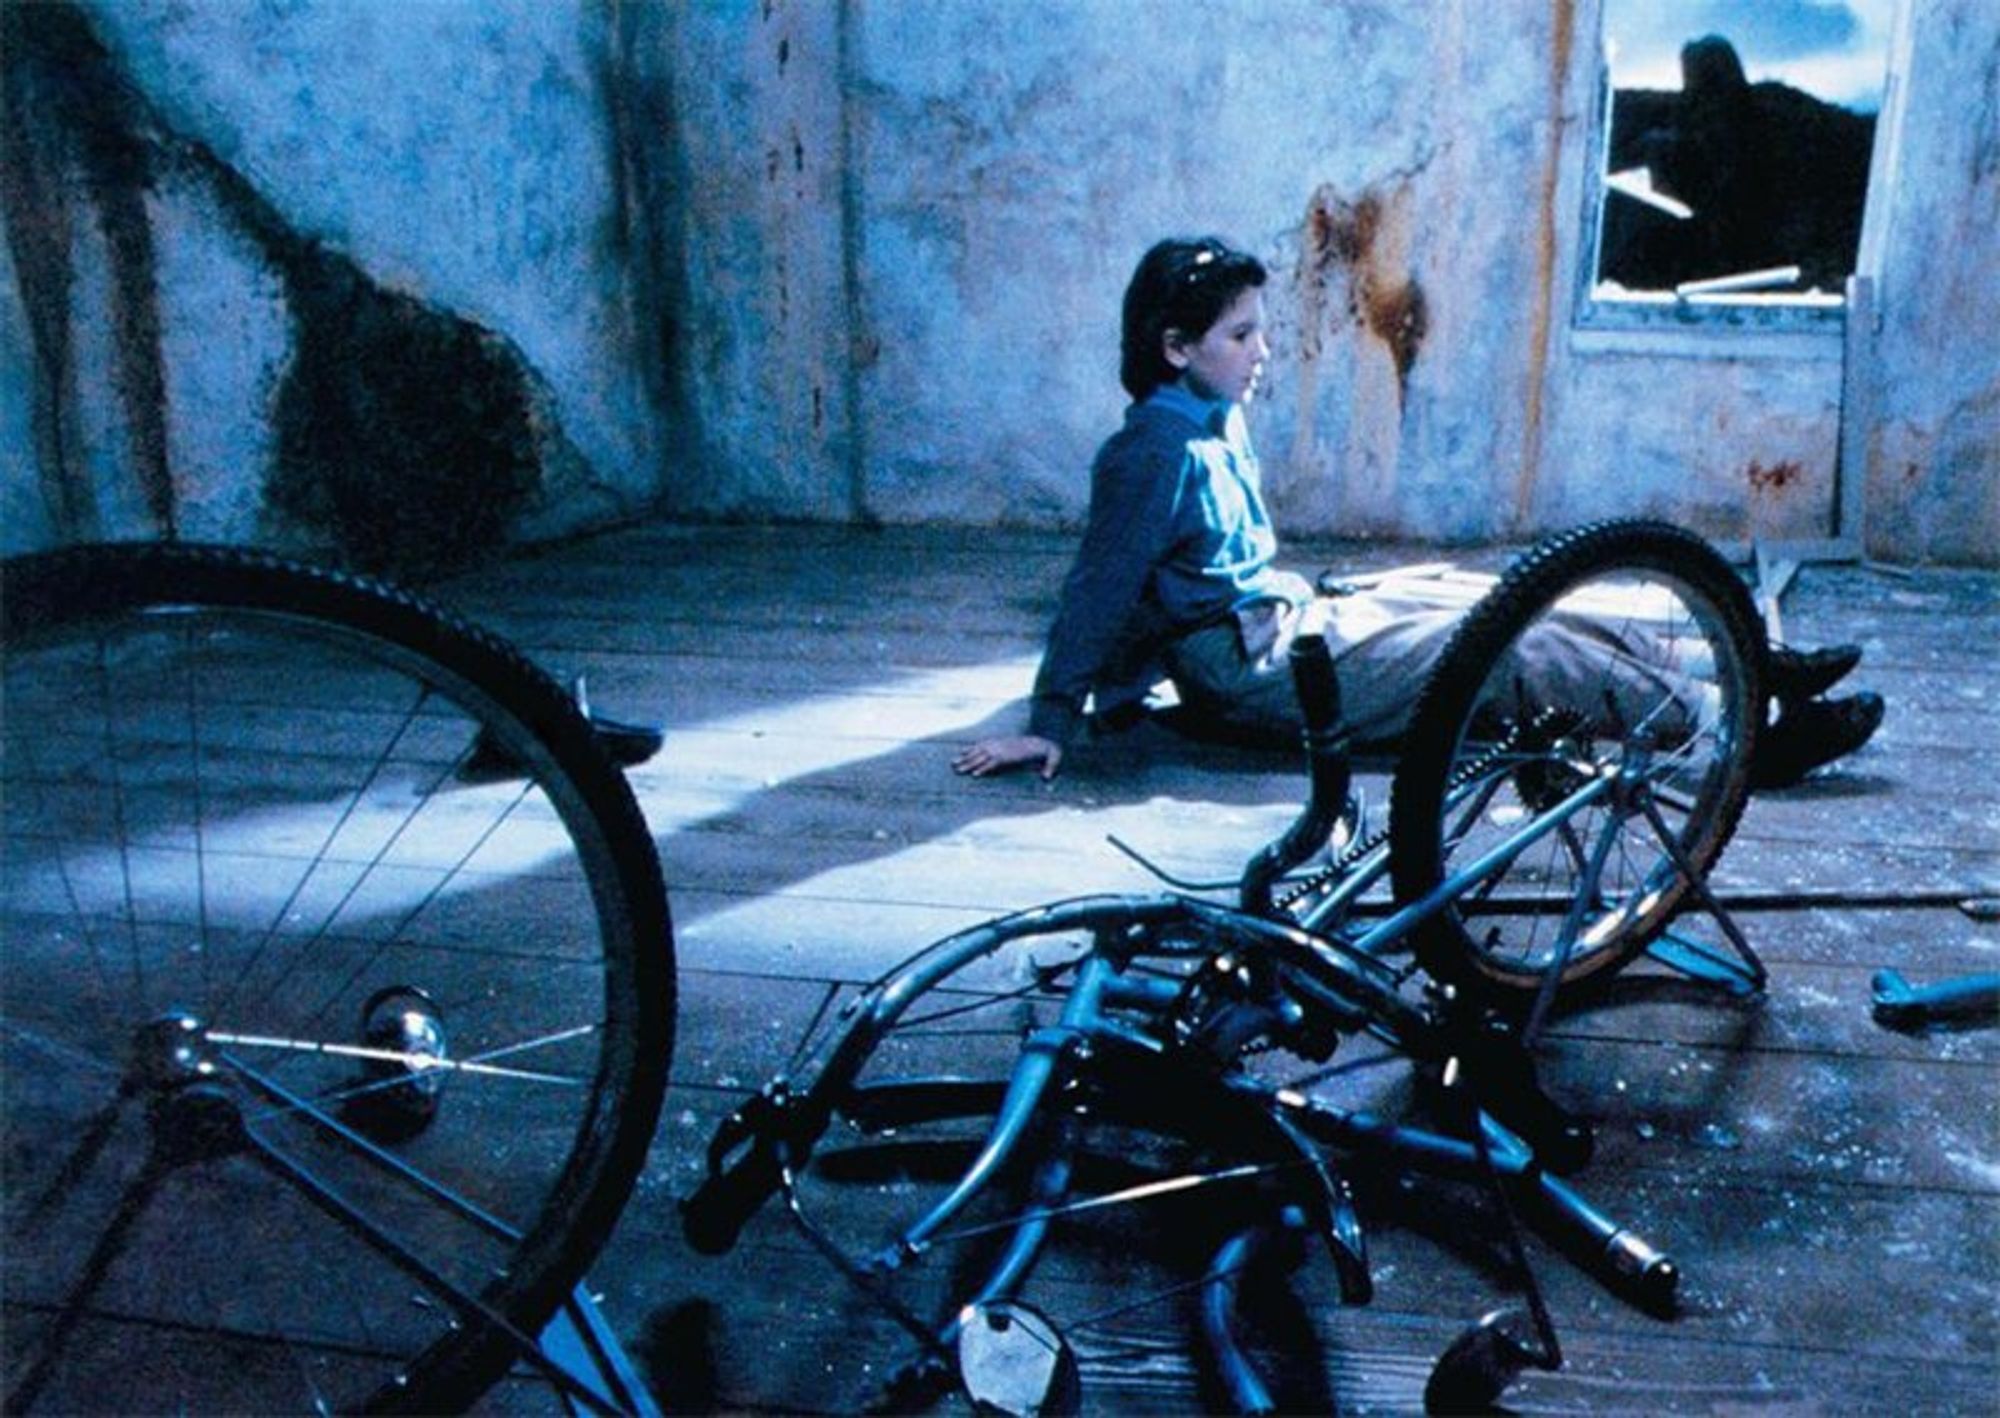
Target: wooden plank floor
column 1831, row 1188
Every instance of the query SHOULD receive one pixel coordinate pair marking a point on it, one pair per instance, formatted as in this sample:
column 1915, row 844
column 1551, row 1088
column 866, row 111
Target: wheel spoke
column 235, row 826
column 90, row 1276
column 1627, row 646
column 318, row 856
column 404, row 1256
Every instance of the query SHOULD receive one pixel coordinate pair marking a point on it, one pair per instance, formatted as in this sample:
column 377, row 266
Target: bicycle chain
column 1326, row 877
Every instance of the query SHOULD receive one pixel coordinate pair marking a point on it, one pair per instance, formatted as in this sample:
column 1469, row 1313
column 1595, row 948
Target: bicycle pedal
column 1012, row 1359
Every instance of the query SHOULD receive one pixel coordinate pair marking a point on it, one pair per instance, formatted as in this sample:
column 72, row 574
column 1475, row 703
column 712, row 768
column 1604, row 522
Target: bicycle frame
column 1172, row 989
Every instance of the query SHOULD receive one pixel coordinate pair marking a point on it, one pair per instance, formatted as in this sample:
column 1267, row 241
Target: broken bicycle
column 1113, row 1073
column 330, row 1064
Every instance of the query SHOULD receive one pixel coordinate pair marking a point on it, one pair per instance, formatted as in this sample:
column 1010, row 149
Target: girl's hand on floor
column 997, row 755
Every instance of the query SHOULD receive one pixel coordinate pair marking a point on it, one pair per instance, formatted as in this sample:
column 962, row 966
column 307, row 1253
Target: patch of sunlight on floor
column 704, row 769
column 854, row 902
column 864, row 915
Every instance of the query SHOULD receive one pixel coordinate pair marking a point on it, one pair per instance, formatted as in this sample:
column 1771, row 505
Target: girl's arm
column 1135, row 492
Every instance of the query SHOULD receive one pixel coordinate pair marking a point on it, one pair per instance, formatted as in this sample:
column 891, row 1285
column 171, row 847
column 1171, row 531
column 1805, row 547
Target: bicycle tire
column 236, row 803
column 1656, row 628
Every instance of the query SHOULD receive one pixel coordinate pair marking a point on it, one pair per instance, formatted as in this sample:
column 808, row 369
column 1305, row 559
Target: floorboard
column 1830, row 1187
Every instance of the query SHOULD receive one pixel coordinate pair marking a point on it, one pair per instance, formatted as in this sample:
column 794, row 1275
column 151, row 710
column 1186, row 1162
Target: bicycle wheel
column 1606, row 694
column 328, row 1065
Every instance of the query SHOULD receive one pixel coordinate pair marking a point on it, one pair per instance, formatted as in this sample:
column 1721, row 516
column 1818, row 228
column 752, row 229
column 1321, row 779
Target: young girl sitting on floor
column 1177, row 572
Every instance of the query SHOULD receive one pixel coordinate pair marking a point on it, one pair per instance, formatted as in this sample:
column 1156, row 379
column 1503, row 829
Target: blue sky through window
column 1834, row 49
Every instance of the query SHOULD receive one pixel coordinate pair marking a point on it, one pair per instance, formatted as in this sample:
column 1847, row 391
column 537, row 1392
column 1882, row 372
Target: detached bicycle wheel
column 1607, row 693
column 338, row 991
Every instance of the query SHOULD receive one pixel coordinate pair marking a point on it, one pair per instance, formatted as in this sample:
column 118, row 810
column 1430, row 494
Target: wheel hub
column 195, row 1115
column 171, row 1052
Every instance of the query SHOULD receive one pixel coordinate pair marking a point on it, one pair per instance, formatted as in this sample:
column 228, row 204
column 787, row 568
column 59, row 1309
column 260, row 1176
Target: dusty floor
column 1830, row 1188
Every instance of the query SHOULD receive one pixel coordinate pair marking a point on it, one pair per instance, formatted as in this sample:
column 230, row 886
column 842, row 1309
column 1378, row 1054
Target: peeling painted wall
column 1690, row 427
column 406, row 282
column 278, row 274
column 1414, row 175
column 766, row 342
column 1933, row 474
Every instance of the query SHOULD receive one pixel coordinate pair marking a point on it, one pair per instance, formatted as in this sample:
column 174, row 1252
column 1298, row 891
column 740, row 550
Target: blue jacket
column 1178, row 537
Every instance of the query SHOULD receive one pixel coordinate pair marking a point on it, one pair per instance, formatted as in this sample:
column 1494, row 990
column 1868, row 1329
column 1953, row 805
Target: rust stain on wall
column 1563, row 24
column 1775, row 477
column 1342, row 233
column 1400, row 319
column 1344, row 242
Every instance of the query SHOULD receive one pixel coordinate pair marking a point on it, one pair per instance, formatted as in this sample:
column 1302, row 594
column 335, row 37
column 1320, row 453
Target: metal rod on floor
column 1981, row 905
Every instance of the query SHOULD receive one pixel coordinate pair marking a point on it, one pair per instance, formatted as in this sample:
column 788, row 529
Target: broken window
column 1737, row 140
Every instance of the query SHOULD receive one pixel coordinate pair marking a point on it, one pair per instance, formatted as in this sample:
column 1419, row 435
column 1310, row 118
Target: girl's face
column 1228, row 359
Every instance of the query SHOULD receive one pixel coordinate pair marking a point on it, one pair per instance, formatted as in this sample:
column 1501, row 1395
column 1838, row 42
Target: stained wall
column 410, row 282
column 368, row 278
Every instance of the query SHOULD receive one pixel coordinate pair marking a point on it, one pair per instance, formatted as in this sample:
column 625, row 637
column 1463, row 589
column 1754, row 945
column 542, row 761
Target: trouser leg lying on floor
column 1387, row 643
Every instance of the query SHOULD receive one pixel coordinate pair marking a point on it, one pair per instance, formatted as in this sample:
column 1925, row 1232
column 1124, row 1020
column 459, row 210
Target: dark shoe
column 1808, row 735
column 624, row 744
column 1794, row 676
column 627, row 744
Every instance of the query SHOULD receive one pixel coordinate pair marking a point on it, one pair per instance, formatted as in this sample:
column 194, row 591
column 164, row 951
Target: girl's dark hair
column 1180, row 285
